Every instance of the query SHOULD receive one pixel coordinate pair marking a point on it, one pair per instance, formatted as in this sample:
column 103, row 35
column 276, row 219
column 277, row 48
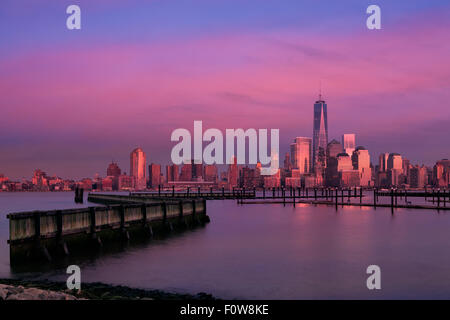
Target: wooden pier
column 320, row 196
column 46, row 234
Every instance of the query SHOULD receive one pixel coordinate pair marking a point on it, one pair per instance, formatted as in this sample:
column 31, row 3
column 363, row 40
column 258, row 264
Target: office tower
column 248, row 177
column 395, row 162
column 301, row 154
column 349, row 143
column 233, row 173
column 172, row 173
column 383, row 162
column 344, row 162
column 417, row 177
column 125, row 182
column 361, row 162
column 186, row 172
column 287, row 162
column 441, row 173
column 394, row 169
column 113, row 170
column 333, row 149
column 348, row 176
column 197, row 171
column 320, row 131
column 138, row 168
column 210, row 173
column 331, row 173
column 154, row 174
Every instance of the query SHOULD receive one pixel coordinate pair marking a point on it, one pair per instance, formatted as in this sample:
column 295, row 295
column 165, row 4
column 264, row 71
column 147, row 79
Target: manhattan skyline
column 73, row 101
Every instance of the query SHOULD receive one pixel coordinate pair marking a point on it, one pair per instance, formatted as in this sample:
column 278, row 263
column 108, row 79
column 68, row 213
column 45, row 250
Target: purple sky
column 71, row 101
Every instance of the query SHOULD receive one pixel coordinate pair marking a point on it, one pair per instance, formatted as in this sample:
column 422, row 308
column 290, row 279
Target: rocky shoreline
column 13, row 289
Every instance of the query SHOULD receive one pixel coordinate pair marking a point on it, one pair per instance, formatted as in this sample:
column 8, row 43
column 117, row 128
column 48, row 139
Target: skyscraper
column 154, row 175
column 113, row 170
column 361, row 162
column 320, row 131
column 301, row 154
column 349, row 143
column 172, row 173
column 137, row 168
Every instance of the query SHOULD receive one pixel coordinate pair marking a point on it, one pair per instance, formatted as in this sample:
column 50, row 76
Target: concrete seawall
column 47, row 234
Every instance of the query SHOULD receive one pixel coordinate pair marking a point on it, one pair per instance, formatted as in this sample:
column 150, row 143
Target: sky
column 71, row 101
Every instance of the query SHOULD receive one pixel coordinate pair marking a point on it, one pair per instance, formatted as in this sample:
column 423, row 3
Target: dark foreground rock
column 13, row 289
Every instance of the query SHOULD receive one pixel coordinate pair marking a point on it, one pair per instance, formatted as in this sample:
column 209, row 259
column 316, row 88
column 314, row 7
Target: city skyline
column 72, row 101
column 335, row 165
column 301, row 153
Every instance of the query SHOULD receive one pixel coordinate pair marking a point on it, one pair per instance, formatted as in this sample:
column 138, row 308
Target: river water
column 258, row 251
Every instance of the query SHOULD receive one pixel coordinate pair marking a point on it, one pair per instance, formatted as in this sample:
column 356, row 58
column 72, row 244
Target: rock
column 3, row 293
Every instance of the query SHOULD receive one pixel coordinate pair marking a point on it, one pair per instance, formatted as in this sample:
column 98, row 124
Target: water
column 271, row 252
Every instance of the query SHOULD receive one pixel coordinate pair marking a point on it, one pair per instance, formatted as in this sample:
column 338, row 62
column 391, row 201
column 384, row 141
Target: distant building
column 348, row 177
column 186, row 172
column 301, row 154
column 233, row 173
column 441, row 173
column 320, row 132
column 272, row 181
column 172, row 173
column 418, row 177
column 383, row 162
column 107, row 184
column 113, row 170
column 395, row 175
column 361, row 162
column 154, row 174
column 349, row 143
column 287, row 162
column 247, row 178
column 395, row 162
column 210, row 173
column 138, row 168
column 331, row 172
column 126, row 182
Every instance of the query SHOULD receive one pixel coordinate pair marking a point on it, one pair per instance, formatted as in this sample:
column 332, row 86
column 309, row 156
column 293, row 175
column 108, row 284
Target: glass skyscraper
column 320, row 131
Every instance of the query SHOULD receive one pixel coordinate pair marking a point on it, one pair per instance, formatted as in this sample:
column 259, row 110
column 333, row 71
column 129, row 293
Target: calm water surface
column 270, row 252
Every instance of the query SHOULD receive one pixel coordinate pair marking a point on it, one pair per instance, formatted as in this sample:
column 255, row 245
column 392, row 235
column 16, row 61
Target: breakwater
column 48, row 234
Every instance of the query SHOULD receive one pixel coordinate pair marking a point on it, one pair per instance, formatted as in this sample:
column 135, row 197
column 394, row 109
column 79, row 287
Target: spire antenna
column 320, row 90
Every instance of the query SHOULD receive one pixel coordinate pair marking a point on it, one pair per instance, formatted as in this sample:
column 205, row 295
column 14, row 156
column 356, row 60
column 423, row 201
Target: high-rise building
column 417, row 176
column 233, row 173
column 349, row 143
column 125, row 182
column 348, row 176
column 394, row 170
column 113, row 170
column 441, row 173
column 287, row 162
column 395, row 162
column 197, row 171
column 154, row 174
column 138, row 168
column 210, row 173
column 320, row 131
column 172, row 173
column 383, row 162
column 331, row 173
column 301, row 154
column 186, row 172
column 361, row 162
